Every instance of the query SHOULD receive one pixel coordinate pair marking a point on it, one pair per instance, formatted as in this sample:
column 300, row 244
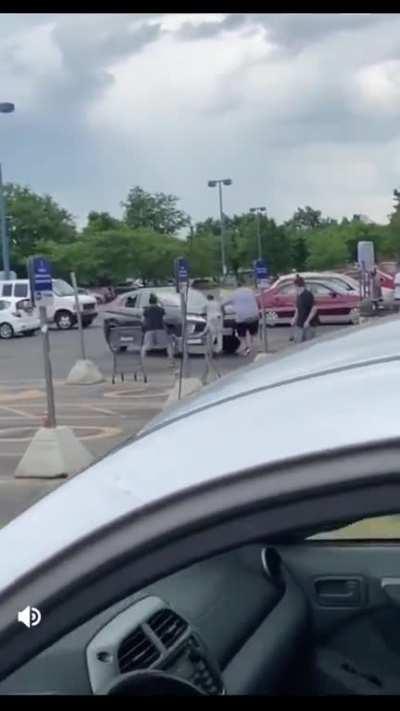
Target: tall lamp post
column 258, row 211
column 213, row 184
column 5, row 108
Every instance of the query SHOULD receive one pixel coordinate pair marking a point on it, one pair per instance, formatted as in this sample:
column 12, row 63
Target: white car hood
column 260, row 427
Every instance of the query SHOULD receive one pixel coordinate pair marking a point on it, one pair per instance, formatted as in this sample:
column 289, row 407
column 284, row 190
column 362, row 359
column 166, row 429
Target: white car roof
column 318, row 275
column 324, row 394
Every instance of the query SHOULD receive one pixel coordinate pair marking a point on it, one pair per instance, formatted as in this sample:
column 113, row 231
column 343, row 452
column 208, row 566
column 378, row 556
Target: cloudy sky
column 296, row 108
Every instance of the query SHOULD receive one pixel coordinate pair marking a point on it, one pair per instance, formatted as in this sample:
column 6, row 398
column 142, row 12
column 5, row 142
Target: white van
column 62, row 309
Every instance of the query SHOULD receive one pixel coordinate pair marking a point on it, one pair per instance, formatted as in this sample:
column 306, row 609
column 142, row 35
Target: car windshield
column 196, row 301
column 62, row 288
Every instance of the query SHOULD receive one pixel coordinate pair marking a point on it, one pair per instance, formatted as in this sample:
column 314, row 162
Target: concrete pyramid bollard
column 84, row 372
column 53, row 452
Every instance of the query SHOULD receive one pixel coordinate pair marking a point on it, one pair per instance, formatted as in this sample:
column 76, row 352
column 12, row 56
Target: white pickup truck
column 61, row 310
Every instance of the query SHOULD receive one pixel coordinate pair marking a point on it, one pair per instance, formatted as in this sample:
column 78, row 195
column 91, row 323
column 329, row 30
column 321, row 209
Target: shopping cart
column 126, row 343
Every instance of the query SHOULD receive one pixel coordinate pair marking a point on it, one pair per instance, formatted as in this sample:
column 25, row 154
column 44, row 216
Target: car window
column 7, row 289
column 319, row 289
column 21, row 290
column 378, row 527
column 130, row 302
column 4, row 305
column 62, row 288
column 287, row 290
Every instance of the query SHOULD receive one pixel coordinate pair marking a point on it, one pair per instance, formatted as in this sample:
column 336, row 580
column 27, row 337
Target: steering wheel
column 150, row 682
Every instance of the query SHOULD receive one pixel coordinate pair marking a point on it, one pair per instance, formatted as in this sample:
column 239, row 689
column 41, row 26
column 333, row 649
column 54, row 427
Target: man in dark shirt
column 306, row 317
column 155, row 334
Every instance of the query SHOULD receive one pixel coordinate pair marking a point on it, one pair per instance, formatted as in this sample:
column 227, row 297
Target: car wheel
column 64, row 320
column 230, row 344
column 271, row 318
column 6, row 331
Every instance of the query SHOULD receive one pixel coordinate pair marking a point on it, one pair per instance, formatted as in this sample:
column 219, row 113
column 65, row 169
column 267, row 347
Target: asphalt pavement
column 102, row 416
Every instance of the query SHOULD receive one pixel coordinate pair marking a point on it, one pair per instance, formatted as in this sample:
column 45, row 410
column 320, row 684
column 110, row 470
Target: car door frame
column 264, row 503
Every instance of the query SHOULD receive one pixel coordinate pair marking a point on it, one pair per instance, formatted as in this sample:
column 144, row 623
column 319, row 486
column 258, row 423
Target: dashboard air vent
column 136, row 651
column 168, row 626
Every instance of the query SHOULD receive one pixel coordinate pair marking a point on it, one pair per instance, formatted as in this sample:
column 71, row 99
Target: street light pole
column 258, row 211
column 213, row 184
column 4, row 231
column 5, row 108
column 222, row 221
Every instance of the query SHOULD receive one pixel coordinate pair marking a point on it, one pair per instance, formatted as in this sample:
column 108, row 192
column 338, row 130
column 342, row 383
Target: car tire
column 64, row 320
column 87, row 323
column 230, row 344
column 6, row 331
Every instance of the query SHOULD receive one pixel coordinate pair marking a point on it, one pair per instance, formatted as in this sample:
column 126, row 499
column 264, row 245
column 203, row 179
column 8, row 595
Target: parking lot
column 102, row 416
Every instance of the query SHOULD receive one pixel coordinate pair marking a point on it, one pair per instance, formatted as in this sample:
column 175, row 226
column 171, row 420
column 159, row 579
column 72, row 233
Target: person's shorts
column 247, row 326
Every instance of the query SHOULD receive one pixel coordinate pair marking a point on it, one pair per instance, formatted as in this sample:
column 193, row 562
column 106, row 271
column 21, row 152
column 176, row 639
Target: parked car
column 17, row 318
column 335, row 280
column 246, row 543
column 127, row 309
column 334, row 306
column 386, row 282
column 62, row 309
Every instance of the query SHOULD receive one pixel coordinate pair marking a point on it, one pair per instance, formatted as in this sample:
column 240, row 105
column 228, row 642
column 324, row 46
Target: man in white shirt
column 215, row 322
column 244, row 303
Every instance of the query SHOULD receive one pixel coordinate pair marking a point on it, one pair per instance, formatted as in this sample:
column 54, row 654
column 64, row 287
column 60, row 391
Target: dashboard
column 158, row 638
column 228, row 625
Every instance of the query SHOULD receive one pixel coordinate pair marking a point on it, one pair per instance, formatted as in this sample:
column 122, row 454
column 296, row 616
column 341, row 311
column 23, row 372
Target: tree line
column 152, row 231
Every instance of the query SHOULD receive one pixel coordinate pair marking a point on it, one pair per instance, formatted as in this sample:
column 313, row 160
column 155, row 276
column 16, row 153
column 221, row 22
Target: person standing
column 155, row 334
column 214, row 322
column 306, row 316
column 244, row 304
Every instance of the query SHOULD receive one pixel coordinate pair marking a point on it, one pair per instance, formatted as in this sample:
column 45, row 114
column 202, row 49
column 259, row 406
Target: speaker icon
column 30, row 616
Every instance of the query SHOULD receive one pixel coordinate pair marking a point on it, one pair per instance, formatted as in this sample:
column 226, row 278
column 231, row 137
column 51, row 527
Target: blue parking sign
column 181, row 271
column 40, row 276
column 260, row 270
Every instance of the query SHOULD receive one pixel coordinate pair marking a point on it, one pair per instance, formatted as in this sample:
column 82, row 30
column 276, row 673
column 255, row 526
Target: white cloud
column 294, row 108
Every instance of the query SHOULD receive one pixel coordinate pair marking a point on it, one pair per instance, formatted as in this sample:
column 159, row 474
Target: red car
column 334, row 306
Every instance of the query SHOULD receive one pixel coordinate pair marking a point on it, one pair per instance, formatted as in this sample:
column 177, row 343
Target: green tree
column 327, row 249
column 34, row 218
column 101, row 222
column 203, row 251
column 300, row 253
column 157, row 212
column 305, row 218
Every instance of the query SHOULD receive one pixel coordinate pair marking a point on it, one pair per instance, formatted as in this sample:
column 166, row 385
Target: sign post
column 261, row 277
column 40, row 276
column 182, row 286
column 78, row 314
